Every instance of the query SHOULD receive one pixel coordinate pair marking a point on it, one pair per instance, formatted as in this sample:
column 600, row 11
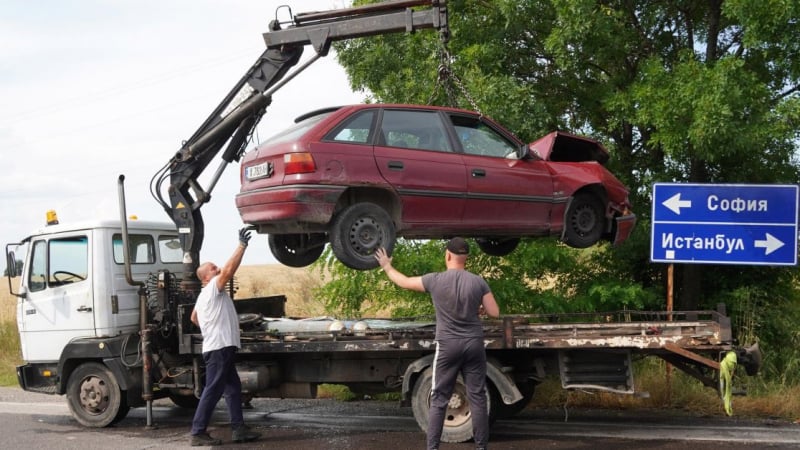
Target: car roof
column 362, row 106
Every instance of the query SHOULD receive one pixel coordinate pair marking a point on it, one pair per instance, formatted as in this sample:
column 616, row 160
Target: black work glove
column 244, row 236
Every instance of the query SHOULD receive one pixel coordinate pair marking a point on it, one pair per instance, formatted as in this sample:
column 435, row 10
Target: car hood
column 564, row 147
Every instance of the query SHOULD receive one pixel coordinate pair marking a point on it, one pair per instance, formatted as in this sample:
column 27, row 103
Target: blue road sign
column 724, row 224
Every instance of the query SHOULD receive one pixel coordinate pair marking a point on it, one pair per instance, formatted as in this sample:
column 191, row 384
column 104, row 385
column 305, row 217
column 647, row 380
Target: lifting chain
column 448, row 80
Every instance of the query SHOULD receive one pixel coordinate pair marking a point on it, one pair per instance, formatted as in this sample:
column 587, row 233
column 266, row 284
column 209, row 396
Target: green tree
column 679, row 90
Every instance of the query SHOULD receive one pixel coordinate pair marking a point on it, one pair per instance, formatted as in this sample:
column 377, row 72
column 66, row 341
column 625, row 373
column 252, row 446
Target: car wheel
column 358, row 231
column 584, row 221
column 293, row 250
column 497, row 246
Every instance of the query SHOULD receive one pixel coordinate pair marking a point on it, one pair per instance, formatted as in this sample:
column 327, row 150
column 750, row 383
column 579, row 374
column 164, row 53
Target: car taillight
column 298, row 163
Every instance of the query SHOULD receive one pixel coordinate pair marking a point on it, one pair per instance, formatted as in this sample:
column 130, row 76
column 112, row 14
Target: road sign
column 724, row 224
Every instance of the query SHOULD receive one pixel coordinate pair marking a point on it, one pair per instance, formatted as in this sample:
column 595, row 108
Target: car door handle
column 396, row 165
column 478, row 173
column 84, row 308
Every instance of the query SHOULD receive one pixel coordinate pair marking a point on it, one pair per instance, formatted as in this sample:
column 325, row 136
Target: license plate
column 263, row 170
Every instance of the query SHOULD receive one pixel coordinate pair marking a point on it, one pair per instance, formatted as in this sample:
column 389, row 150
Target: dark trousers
column 221, row 379
column 468, row 357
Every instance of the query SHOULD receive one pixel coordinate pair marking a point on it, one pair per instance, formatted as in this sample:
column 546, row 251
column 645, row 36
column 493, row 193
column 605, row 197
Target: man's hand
column 244, row 236
column 384, row 260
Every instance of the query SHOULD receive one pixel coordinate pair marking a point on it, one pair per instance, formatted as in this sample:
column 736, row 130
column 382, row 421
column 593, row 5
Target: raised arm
column 397, row 277
column 227, row 271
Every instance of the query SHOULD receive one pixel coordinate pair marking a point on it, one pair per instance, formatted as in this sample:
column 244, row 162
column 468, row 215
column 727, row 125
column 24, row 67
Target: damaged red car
column 358, row 177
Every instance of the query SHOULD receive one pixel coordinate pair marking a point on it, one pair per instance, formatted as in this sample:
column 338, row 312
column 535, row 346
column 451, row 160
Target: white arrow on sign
column 675, row 203
column 771, row 243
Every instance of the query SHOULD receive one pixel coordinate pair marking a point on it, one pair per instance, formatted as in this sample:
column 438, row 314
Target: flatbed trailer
column 585, row 351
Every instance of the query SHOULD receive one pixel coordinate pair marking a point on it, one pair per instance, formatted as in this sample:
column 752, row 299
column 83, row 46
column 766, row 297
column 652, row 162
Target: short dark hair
column 458, row 246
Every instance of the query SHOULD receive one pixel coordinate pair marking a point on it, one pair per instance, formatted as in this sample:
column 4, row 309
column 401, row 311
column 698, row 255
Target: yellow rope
column 726, row 368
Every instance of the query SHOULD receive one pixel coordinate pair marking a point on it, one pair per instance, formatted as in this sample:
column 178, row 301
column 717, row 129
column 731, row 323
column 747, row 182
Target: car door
column 58, row 305
column 415, row 156
column 505, row 194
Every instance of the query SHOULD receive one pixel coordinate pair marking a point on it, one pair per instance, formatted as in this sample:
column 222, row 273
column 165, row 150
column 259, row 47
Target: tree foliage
column 678, row 90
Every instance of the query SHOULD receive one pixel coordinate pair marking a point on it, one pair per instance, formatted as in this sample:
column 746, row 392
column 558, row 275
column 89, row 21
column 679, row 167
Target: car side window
column 423, row 130
column 478, row 138
column 356, row 129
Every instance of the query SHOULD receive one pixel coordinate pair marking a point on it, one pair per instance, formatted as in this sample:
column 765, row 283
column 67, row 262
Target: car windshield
column 296, row 130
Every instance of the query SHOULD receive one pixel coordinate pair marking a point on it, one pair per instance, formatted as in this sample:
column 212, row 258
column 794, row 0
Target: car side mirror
column 524, row 152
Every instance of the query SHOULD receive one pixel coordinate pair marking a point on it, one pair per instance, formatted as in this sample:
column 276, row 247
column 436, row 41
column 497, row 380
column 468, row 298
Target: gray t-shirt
column 457, row 295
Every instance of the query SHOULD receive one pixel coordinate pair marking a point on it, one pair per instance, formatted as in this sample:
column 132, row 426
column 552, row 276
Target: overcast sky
column 90, row 90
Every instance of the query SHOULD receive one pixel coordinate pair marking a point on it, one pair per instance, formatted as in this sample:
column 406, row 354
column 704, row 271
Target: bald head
column 206, row 271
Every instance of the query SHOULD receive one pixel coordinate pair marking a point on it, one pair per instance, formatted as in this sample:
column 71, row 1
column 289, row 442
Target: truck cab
column 73, row 297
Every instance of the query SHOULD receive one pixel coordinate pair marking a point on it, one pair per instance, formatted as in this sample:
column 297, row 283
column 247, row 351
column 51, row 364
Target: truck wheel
column 457, row 420
column 497, row 246
column 503, row 411
column 358, row 231
column 289, row 250
column 94, row 396
column 184, row 401
column 584, row 221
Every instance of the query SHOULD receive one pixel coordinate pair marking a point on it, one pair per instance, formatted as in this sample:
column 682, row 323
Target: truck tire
column 503, row 411
column 458, row 420
column 358, row 231
column 583, row 225
column 184, row 401
column 289, row 250
column 94, row 396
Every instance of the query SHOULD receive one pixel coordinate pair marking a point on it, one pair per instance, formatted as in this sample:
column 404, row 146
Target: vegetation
column 703, row 92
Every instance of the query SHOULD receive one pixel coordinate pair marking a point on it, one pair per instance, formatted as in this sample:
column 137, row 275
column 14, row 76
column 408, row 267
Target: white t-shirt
column 217, row 317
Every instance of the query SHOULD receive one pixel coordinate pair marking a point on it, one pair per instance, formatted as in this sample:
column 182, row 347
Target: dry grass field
column 254, row 281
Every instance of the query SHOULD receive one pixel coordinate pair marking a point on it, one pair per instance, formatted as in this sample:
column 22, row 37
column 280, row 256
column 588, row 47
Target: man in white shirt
column 216, row 316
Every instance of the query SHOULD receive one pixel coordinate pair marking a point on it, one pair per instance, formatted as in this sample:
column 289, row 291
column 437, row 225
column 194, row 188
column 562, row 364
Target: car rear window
column 295, row 131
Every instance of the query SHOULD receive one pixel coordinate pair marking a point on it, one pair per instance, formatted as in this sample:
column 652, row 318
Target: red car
column 360, row 176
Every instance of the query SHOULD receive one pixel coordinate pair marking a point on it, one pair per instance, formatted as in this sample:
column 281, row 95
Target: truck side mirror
column 11, row 265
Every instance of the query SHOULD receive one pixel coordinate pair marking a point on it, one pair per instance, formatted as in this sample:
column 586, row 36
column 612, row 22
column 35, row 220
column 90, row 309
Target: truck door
column 58, row 304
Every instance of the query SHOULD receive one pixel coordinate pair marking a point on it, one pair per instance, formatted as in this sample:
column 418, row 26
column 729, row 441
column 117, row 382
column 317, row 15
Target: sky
column 90, row 90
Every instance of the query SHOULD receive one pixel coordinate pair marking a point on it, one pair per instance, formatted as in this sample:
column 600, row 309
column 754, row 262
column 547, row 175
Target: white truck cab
column 73, row 298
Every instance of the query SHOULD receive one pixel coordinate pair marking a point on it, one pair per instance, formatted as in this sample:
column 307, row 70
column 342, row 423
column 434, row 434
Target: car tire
column 358, row 231
column 583, row 225
column 289, row 250
column 497, row 246
column 185, row 401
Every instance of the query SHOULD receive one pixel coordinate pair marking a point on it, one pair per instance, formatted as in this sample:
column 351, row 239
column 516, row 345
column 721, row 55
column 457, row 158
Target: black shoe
column 244, row 434
column 201, row 440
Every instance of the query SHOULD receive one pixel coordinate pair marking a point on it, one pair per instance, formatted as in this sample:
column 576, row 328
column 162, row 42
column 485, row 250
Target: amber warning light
column 52, row 217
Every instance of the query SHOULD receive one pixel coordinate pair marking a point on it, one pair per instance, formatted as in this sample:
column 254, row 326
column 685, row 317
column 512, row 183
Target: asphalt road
column 41, row 421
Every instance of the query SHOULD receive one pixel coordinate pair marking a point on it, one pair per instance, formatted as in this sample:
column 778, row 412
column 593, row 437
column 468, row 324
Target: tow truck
column 103, row 307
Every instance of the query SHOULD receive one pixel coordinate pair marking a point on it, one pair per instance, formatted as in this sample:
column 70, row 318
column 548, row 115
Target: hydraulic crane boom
column 233, row 121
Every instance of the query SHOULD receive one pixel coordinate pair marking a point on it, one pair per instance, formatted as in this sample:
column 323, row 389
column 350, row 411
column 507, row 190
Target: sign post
column 724, row 224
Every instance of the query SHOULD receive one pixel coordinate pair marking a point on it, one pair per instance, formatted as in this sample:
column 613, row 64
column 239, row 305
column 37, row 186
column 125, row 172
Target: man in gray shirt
column 459, row 297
